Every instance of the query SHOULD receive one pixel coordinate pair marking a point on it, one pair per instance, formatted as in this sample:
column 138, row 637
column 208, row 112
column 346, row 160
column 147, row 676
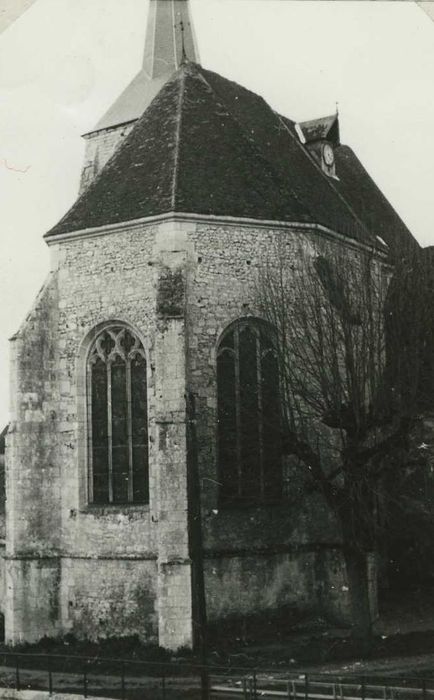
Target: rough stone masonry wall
column 91, row 570
column 101, row 280
column 100, row 146
column 33, row 475
column 279, row 555
column 175, row 604
column 101, row 571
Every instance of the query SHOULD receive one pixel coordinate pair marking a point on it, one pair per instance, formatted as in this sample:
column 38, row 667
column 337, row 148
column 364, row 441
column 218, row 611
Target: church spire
column 170, row 41
column 169, row 37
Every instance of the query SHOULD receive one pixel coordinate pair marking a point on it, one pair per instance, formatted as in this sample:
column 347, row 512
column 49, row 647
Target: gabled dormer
column 320, row 137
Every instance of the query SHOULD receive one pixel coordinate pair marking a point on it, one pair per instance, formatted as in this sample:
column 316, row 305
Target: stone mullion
column 238, row 408
column 109, row 431
column 260, row 414
column 89, row 442
column 129, row 431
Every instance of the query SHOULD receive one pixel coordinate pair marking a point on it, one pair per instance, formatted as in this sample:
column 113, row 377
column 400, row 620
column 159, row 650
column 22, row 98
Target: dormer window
column 320, row 137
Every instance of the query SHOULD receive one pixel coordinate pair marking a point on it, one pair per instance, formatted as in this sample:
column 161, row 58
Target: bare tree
column 348, row 333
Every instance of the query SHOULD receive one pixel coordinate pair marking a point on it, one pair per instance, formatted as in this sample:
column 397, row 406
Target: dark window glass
column 118, row 431
column 120, row 446
column 139, row 411
column 99, row 430
column 248, row 405
column 250, row 414
column 227, row 424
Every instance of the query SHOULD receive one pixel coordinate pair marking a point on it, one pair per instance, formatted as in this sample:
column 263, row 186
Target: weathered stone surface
column 100, row 146
column 102, row 571
column 32, row 608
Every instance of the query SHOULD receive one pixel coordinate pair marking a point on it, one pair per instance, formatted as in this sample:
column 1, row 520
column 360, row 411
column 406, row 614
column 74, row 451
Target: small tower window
column 249, row 425
column 117, row 418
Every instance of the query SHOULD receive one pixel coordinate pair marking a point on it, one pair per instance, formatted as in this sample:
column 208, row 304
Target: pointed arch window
column 249, row 414
column 117, row 418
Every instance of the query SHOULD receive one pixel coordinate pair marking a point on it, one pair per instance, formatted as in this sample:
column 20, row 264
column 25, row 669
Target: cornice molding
column 210, row 219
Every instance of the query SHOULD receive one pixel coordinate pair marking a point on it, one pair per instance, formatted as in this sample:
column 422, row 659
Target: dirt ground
column 403, row 643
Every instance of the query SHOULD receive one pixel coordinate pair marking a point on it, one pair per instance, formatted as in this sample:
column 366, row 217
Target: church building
column 140, row 454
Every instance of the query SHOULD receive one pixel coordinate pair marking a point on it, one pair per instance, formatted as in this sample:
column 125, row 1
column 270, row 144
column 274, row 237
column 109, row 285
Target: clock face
column 328, row 155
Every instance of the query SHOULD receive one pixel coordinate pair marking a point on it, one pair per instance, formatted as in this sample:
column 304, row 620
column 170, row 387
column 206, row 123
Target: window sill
column 114, row 508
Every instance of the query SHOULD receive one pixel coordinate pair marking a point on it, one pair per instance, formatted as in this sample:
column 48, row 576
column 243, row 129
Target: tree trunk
column 358, row 582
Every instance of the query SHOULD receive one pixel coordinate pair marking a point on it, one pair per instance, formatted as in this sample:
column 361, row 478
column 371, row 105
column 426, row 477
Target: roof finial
column 337, row 108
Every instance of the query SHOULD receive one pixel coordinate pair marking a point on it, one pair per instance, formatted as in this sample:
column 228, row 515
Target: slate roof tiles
column 206, row 145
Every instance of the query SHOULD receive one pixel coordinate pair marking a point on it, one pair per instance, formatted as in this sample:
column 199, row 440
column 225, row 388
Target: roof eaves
column 226, row 220
column 87, row 134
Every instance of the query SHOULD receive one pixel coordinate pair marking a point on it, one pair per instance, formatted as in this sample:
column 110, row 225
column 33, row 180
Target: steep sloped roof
column 276, row 139
column 132, row 102
column 370, row 204
column 206, row 145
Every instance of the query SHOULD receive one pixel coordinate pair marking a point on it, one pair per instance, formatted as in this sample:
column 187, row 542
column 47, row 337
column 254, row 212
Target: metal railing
column 122, row 679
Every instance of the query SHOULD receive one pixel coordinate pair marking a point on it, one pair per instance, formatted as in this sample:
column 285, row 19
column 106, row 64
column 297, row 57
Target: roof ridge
column 177, row 137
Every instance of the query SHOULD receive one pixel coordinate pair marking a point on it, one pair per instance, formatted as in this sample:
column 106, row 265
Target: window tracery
column 249, row 417
column 117, row 418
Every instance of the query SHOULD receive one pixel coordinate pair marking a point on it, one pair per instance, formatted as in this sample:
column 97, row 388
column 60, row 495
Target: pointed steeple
column 169, row 37
column 169, row 34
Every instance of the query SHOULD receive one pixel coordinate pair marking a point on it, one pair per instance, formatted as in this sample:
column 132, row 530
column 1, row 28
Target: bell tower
column 170, row 40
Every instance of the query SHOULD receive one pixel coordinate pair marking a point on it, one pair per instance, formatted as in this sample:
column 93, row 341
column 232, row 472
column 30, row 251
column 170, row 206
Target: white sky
column 65, row 61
